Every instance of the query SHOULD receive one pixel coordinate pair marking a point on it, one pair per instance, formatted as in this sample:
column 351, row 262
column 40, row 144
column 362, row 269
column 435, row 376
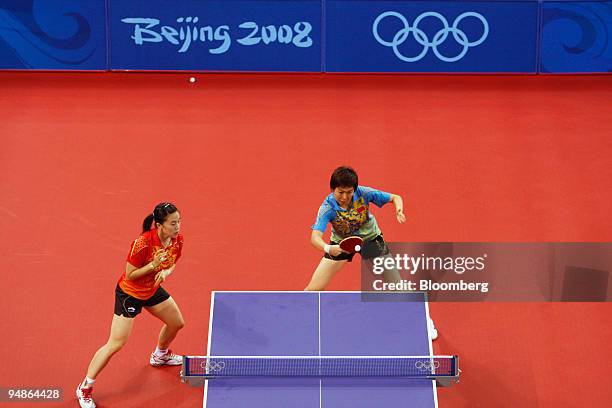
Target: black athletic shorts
column 371, row 249
column 129, row 306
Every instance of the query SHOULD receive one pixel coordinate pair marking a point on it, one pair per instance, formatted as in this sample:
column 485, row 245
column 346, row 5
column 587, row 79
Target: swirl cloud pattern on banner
column 63, row 34
column 576, row 37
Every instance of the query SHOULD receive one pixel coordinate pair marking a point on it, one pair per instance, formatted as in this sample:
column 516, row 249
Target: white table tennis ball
column 192, row 80
column 357, row 248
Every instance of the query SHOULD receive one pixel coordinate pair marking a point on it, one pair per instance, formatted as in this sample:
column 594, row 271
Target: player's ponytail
column 146, row 224
column 159, row 214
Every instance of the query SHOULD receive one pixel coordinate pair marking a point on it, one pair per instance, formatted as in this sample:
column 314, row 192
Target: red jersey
column 141, row 253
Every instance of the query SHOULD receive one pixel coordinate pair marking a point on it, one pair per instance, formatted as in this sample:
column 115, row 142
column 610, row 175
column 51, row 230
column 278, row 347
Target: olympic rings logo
column 212, row 366
column 421, row 37
column 427, row 365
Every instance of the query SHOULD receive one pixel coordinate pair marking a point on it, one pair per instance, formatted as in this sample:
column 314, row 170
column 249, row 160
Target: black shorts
column 371, row 249
column 129, row 306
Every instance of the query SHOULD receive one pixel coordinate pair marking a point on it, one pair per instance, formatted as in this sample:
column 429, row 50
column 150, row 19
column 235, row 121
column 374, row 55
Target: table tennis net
column 306, row 366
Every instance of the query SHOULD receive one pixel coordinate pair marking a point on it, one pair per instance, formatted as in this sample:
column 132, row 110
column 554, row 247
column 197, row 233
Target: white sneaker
column 167, row 359
column 431, row 328
column 84, row 397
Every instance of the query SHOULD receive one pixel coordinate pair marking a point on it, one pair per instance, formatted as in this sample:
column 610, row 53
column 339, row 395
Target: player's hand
column 335, row 250
column 160, row 257
column 161, row 276
column 401, row 218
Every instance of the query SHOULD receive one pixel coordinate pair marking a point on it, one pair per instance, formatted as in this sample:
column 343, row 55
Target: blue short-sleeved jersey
column 356, row 220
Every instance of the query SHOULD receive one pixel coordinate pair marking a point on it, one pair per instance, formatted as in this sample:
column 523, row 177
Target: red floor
column 247, row 159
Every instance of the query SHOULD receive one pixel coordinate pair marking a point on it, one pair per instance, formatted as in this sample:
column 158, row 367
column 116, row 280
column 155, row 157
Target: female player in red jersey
column 152, row 258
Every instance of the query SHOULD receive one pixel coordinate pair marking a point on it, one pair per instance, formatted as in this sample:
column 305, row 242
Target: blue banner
column 246, row 35
column 576, row 37
column 59, row 34
column 472, row 36
column 428, row 36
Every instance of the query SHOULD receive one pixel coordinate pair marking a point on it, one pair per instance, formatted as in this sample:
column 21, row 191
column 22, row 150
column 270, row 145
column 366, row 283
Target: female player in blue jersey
column 347, row 210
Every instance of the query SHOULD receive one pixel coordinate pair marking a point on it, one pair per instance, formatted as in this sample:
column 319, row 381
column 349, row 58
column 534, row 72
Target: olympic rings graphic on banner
column 212, row 366
column 421, row 37
column 427, row 365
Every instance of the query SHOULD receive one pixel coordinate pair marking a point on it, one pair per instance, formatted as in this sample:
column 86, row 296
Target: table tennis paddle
column 351, row 244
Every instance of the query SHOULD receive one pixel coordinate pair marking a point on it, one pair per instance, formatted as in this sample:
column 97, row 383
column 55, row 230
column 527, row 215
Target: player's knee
column 116, row 344
column 179, row 324
column 176, row 324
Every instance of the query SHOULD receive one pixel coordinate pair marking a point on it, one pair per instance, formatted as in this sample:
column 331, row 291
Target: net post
column 187, row 377
column 447, row 381
column 185, row 369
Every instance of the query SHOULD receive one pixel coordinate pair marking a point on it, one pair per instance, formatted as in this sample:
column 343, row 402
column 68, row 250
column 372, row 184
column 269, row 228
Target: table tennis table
column 275, row 323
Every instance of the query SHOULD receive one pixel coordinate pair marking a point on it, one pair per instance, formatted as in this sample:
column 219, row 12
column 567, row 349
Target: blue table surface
column 313, row 324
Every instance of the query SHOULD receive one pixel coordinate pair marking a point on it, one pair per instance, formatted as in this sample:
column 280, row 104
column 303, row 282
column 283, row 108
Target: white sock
column 88, row 382
column 159, row 352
